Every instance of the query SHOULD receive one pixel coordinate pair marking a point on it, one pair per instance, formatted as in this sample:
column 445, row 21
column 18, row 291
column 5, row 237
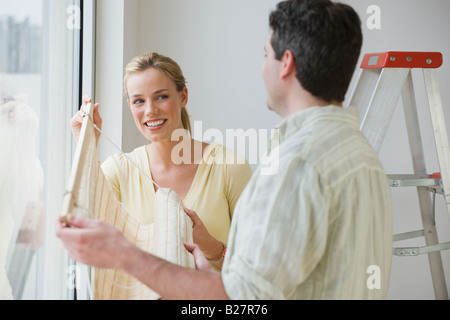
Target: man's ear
column 287, row 64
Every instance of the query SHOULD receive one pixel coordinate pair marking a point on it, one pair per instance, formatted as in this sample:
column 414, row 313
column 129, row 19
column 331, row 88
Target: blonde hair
column 162, row 63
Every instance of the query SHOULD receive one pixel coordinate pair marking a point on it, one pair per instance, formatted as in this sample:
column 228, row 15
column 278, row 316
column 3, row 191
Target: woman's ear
column 184, row 96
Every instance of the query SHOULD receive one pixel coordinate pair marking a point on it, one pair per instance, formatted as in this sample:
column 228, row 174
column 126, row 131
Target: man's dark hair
column 325, row 39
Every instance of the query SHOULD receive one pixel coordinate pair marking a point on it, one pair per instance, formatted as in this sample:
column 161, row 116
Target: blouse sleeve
column 237, row 174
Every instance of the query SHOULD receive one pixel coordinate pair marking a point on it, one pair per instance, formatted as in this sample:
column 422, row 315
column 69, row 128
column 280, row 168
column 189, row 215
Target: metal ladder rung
column 408, row 235
column 415, row 251
column 414, row 180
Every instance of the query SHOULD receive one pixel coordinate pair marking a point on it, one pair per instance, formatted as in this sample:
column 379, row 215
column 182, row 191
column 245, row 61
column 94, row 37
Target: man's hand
column 93, row 242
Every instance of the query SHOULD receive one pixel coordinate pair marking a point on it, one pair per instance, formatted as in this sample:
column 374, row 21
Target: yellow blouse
column 220, row 178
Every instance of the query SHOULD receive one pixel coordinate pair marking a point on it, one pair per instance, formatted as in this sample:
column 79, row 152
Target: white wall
column 219, row 45
column 109, row 64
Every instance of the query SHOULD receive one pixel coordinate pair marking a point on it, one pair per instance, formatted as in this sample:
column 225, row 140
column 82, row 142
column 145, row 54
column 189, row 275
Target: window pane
column 38, row 78
column 21, row 48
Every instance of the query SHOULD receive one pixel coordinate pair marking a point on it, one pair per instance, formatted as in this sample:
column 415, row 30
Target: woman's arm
column 212, row 249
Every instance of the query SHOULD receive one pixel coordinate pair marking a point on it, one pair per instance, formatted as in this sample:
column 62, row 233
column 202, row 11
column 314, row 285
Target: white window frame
column 88, row 52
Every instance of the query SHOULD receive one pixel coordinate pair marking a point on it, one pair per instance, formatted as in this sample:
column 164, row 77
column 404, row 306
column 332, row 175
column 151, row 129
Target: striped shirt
column 319, row 226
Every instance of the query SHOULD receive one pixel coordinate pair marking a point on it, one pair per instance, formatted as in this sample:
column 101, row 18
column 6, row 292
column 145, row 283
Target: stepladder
column 384, row 80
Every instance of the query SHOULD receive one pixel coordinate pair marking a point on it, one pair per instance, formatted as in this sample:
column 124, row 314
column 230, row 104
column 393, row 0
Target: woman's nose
column 150, row 108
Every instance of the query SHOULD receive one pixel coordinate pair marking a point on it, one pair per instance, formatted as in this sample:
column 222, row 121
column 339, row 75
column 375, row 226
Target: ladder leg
column 366, row 83
column 382, row 105
column 431, row 238
column 440, row 130
column 425, row 203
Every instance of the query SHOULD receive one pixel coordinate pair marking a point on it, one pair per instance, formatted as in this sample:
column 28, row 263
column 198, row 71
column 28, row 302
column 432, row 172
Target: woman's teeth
column 154, row 123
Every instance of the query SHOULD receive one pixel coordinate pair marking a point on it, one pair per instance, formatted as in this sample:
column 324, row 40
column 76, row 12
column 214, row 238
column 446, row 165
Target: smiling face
column 155, row 104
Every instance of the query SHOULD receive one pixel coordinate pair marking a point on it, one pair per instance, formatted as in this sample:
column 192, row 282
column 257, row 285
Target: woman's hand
column 211, row 248
column 201, row 263
column 77, row 119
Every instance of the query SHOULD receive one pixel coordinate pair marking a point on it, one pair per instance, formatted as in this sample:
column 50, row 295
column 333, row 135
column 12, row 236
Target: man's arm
column 172, row 281
column 98, row 244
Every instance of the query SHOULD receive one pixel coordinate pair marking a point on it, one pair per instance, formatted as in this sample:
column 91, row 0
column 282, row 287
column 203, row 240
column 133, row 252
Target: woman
column 209, row 178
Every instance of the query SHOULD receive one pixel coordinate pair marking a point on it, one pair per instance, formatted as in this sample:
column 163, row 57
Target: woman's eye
column 138, row 101
column 162, row 97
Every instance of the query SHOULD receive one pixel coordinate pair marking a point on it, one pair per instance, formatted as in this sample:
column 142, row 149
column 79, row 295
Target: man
column 321, row 228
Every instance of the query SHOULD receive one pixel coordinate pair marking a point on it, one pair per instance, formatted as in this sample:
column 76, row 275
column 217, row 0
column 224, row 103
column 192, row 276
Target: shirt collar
column 304, row 118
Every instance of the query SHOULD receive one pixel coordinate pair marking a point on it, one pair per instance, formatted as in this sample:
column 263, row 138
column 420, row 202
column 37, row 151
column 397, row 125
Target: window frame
column 87, row 54
column 68, row 59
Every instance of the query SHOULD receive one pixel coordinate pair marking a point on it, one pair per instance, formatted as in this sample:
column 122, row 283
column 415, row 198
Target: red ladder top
column 402, row 59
